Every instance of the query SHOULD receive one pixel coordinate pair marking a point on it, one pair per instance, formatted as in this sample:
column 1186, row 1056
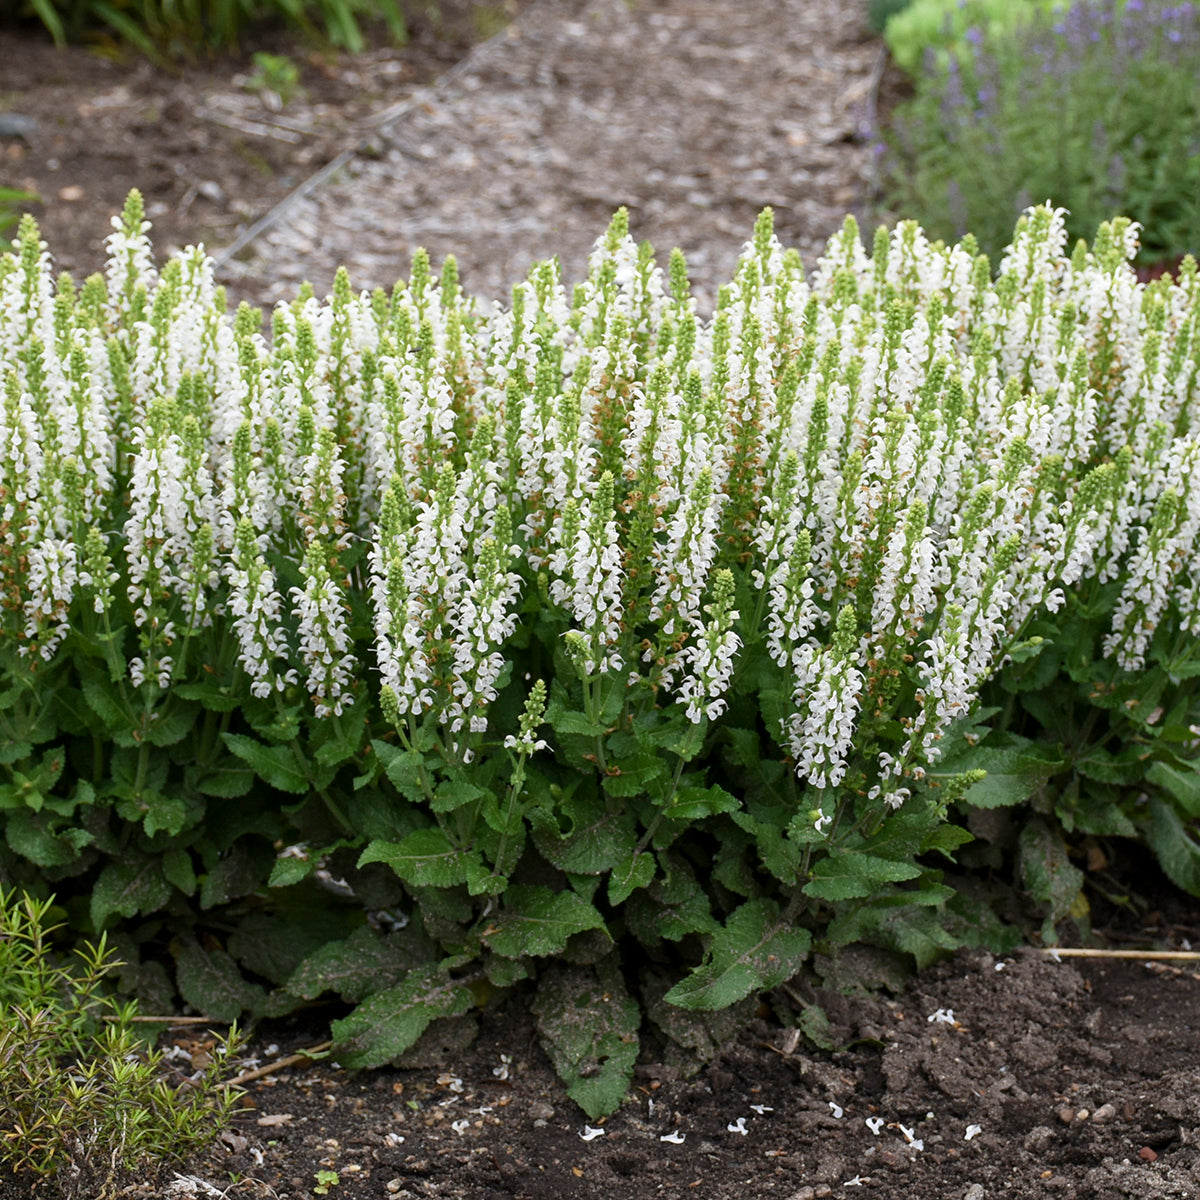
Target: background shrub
column 1095, row 107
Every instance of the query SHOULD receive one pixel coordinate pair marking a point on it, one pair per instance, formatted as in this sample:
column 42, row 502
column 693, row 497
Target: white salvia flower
column 828, row 695
column 257, row 609
column 49, row 586
column 324, row 639
column 589, row 575
column 707, row 660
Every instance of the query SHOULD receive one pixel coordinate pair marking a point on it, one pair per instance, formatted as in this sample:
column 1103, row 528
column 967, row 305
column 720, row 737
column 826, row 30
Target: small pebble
column 1146, row 1154
column 1104, row 1114
column 1066, row 1115
column 975, row 1192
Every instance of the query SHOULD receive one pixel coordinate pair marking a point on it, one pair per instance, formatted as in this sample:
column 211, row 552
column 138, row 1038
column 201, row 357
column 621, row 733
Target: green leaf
column 1174, row 845
column 635, row 871
column 105, row 700
column 214, row 697
column 36, row 836
column 673, row 906
column 426, row 859
column 563, row 720
column 177, row 869
column 389, row 1022
column 597, row 841
column 363, row 963
column 814, row 1024
column 588, row 1025
column 210, row 981
column 128, row 887
column 227, row 778
column 455, row 793
column 846, row 874
column 240, row 872
column 945, row 839
column 275, row 944
column 168, row 728
column 290, row 870
column 635, row 775
column 537, row 921
column 1181, row 784
column 696, row 803
column 754, row 952
column 275, row 765
column 916, row 931
column 1046, row 872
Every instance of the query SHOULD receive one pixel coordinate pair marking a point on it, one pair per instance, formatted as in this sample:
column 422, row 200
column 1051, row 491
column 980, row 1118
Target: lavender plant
column 1116, row 82
column 431, row 644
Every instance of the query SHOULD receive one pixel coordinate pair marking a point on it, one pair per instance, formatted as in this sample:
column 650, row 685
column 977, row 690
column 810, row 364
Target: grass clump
column 82, row 1101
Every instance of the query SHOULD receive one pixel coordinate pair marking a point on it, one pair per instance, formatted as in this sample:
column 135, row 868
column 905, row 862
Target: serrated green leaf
column 536, row 921
column 128, row 887
column 35, row 836
column 920, row 932
column 275, row 765
column 588, row 1026
column 754, row 952
column 289, row 871
column 165, row 814
column 363, row 963
column 105, row 701
column 214, row 697
column 814, row 1024
column 1046, row 871
column 696, row 803
column 847, row 874
column 239, row 872
column 1174, row 845
column 563, row 720
column 177, row 869
column 1180, row 783
column 673, row 906
column 404, row 769
column 945, row 839
column 425, row 859
column 597, row 841
column 169, row 726
column 274, row 945
column 227, row 778
column 1128, row 766
column 210, row 981
column 635, row 871
column 455, row 793
column 635, row 776
column 389, row 1022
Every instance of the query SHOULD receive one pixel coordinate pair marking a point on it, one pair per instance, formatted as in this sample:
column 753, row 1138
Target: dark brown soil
column 210, row 151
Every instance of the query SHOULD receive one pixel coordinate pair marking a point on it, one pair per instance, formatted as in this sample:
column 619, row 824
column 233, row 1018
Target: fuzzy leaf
column 275, row 765
column 210, row 981
column 274, row 945
column 696, row 803
column 1181, row 784
column 33, row 836
column 425, row 859
column 847, row 874
column 537, row 921
column 363, row 963
column 389, row 1022
column 1046, row 871
column 1174, row 844
column 754, row 952
column 288, row 871
column 635, row 871
column 588, row 1025
column 238, row 873
column 128, row 887
column 635, row 775
column 598, row 840
column 227, row 778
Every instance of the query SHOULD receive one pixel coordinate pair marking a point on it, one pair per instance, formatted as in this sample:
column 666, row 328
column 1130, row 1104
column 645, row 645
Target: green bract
column 438, row 650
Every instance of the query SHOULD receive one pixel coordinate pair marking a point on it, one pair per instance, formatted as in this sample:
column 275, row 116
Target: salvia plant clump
column 586, row 642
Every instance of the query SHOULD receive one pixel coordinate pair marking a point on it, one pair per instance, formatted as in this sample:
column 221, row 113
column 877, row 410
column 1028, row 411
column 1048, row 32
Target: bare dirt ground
column 1015, row 1077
